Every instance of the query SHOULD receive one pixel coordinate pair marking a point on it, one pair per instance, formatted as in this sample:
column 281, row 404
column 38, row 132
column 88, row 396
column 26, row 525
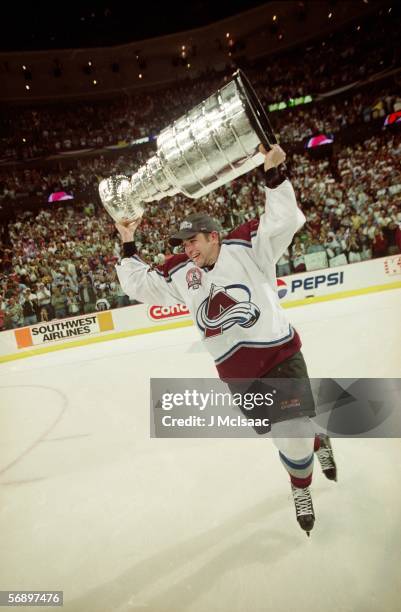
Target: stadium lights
column 27, row 73
column 274, row 25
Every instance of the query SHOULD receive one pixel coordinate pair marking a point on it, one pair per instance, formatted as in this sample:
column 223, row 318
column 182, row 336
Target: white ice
column 121, row 522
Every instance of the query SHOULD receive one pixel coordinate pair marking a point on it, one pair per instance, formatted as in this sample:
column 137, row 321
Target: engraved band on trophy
column 212, row 144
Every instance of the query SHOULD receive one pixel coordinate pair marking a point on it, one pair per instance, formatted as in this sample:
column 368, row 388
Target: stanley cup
column 212, row 144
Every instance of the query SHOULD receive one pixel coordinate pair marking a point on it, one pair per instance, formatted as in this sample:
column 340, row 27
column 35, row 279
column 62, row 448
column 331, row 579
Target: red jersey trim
column 246, row 231
column 257, row 362
column 168, row 268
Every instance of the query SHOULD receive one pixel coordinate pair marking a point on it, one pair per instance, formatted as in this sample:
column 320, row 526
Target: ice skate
column 303, row 508
column 326, row 458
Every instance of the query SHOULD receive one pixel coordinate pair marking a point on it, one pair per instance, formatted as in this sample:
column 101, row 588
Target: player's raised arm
column 282, row 217
column 137, row 279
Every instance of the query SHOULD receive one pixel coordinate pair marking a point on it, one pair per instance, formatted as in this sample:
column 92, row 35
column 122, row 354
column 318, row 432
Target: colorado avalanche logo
column 225, row 307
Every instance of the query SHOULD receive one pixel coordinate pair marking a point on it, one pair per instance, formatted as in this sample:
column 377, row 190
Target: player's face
column 203, row 249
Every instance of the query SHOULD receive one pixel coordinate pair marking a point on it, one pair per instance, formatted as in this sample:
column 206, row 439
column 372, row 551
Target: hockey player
column 229, row 287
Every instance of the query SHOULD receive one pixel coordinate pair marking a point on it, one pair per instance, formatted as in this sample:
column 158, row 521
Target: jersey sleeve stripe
column 244, row 243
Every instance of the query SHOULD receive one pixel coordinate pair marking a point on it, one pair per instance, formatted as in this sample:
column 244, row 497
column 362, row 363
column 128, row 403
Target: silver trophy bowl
column 212, row 144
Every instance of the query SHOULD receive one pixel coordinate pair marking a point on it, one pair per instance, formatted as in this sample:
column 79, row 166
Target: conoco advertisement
column 161, row 313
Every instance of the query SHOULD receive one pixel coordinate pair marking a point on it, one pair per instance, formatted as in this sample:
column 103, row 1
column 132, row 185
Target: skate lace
column 303, row 501
column 325, row 457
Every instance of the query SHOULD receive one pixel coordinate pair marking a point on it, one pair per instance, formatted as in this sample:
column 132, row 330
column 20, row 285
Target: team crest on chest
column 225, row 307
column 194, row 278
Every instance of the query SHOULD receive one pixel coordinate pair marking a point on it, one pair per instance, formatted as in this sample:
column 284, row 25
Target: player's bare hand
column 274, row 157
column 127, row 229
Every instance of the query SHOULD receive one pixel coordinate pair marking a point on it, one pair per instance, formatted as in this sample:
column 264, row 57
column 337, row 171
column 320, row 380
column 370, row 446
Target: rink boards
column 295, row 290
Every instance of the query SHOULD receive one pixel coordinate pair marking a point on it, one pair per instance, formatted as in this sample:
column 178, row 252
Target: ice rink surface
column 90, row 505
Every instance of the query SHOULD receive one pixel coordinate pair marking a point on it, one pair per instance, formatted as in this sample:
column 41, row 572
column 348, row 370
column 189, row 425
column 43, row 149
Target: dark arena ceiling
column 61, row 25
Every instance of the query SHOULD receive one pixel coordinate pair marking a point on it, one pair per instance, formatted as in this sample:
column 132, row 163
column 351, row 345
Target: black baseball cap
column 195, row 224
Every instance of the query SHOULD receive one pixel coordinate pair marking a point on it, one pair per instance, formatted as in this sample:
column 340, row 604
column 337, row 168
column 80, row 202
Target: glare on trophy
column 210, row 145
column 117, row 197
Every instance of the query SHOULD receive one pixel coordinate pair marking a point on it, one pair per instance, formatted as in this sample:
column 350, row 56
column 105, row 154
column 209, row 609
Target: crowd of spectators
column 60, row 262
column 299, row 123
column 292, row 126
column 81, row 178
column 332, row 62
column 44, row 133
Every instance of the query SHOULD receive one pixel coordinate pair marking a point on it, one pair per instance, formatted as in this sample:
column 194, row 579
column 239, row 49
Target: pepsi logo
column 281, row 288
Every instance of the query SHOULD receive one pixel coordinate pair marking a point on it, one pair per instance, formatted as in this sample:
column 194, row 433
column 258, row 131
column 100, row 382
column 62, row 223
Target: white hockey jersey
column 234, row 304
